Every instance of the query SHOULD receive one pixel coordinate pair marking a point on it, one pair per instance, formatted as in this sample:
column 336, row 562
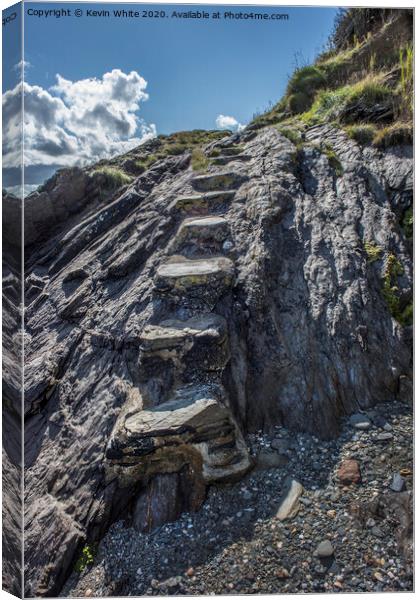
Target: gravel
column 234, row 544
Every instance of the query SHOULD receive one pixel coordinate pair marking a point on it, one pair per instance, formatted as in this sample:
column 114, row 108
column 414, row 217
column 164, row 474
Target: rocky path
column 179, row 434
column 185, row 305
column 352, row 530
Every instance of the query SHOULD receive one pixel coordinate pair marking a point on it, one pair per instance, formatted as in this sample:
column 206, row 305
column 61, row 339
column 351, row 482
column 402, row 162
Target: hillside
column 213, row 315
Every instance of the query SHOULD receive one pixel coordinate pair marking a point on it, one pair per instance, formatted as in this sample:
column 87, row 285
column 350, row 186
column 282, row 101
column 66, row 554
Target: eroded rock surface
column 133, row 310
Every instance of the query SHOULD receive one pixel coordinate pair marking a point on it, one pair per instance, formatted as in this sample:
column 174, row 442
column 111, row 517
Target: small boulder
column 385, row 436
column 289, row 506
column 398, row 483
column 359, row 421
column 324, row 549
column 349, row 472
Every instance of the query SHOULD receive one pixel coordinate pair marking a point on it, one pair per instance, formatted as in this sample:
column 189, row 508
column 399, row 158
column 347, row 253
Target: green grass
column 199, row 161
column 362, row 133
column 337, row 67
column 406, row 57
column 373, row 252
column 175, row 149
column 333, row 159
column 85, row 559
column 302, row 87
column 291, row 134
column 405, row 317
column 353, row 83
column 408, row 223
column 114, row 177
column 394, row 135
column 144, row 156
column 390, row 291
column 393, row 269
column 139, row 166
column 331, row 105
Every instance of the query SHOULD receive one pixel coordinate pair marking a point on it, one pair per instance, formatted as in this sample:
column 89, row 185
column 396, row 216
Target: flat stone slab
column 232, row 150
column 289, row 506
column 181, row 274
column 185, row 415
column 217, row 181
column 194, row 414
column 207, row 223
column 202, row 202
column 224, row 159
column 200, row 231
column 172, row 333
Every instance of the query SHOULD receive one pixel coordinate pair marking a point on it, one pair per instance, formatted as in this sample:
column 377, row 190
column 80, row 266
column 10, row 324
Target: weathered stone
column 164, row 499
column 205, row 278
column 360, row 421
column 289, row 505
column 201, row 234
column 173, row 333
column 218, row 181
column 225, row 159
column 384, row 437
column 186, row 430
column 202, row 203
column 349, row 472
column 324, row 549
column 398, row 483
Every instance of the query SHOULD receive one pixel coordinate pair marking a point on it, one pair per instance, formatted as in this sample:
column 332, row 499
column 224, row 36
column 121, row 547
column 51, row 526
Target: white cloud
column 226, row 122
column 75, row 122
column 22, row 65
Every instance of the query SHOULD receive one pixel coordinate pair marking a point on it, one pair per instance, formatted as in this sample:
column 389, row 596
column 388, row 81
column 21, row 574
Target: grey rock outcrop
column 152, row 345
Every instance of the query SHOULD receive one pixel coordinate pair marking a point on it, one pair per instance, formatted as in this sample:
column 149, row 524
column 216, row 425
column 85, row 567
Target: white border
column 349, row 3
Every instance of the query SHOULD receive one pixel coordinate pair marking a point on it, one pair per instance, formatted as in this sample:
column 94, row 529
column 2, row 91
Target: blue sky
column 181, row 73
column 194, row 69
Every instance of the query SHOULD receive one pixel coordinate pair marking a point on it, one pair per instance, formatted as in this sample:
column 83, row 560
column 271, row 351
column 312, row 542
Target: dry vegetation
column 363, row 82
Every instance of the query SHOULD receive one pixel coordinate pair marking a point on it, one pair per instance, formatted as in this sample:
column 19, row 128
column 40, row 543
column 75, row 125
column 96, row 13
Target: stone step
column 206, row 278
column 173, row 333
column 167, row 437
column 232, row 150
column 224, row 180
column 200, row 234
column 224, row 159
column 184, row 349
column 202, row 203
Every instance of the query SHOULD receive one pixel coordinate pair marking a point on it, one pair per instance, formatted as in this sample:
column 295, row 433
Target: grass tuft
column 393, row 269
column 175, row 149
column 333, row 159
column 302, row 87
column 114, row 177
column 373, row 252
column 291, row 134
column 362, row 133
column 408, row 223
column 199, row 161
column 396, row 134
column 350, row 103
column 85, row 559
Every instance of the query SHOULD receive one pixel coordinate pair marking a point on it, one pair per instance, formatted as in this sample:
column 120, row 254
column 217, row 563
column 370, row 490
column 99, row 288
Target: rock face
column 188, row 308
